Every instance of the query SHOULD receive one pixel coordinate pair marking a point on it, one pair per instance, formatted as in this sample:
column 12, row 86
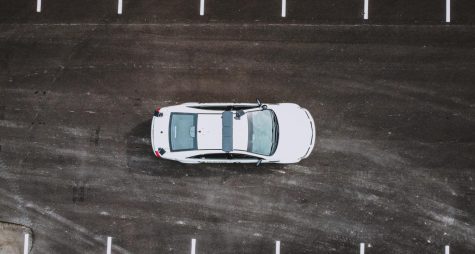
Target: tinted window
column 212, row 156
column 224, row 107
column 243, row 156
column 183, row 131
column 224, row 156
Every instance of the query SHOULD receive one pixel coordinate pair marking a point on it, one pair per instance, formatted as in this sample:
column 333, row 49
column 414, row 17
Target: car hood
column 296, row 133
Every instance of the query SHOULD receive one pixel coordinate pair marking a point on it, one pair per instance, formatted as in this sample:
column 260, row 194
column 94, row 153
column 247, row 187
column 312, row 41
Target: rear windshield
column 183, row 131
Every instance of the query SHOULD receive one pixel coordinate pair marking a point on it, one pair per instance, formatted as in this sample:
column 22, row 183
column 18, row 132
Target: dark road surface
column 393, row 166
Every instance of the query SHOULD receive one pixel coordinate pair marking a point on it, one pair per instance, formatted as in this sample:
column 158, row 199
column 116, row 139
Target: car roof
column 210, row 134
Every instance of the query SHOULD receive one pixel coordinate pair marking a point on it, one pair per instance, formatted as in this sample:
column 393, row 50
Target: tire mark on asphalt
column 47, row 216
column 95, row 136
column 364, row 148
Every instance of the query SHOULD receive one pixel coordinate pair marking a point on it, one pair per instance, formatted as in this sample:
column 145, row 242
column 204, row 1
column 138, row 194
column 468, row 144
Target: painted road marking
column 38, row 5
column 119, row 7
column 361, row 248
column 26, row 248
column 365, row 12
column 284, row 8
column 447, row 11
column 109, row 244
column 193, row 246
column 202, row 7
column 447, row 249
column 277, row 247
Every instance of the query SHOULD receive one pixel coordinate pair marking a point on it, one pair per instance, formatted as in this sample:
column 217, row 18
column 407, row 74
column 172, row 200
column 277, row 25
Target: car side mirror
column 259, row 103
column 258, row 162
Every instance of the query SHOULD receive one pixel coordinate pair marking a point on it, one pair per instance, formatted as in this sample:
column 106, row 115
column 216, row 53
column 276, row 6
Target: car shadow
column 141, row 160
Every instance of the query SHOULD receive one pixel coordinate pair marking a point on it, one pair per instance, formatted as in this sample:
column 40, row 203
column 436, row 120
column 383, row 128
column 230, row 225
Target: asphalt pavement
column 393, row 165
column 387, row 12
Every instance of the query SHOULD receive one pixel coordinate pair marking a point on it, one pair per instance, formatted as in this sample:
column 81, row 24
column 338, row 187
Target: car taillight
column 157, row 112
column 160, row 151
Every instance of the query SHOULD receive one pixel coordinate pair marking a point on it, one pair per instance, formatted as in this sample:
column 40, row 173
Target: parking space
column 17, row 11
column 407, row 11
column 76, row 11
column 150, row 11
column 244, row 10
column 463, row 11
column 338, row 11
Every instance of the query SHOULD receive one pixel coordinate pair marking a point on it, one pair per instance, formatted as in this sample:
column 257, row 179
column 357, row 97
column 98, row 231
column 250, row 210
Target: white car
column 233, row 133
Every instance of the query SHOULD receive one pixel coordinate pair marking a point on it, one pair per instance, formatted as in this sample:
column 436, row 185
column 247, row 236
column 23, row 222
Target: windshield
column 183, row 131
column 263, row 132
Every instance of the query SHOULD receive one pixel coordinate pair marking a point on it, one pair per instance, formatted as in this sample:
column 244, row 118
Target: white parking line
column 26, row 248
column 361, row 248
column 284, row 8
column 277, row 247
column 447, row 249
column 447, row 11
column 365, row 12
column 193, row 246
column 109, row 244
column 38, row 5
column 119, row 7
column 202, row 7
